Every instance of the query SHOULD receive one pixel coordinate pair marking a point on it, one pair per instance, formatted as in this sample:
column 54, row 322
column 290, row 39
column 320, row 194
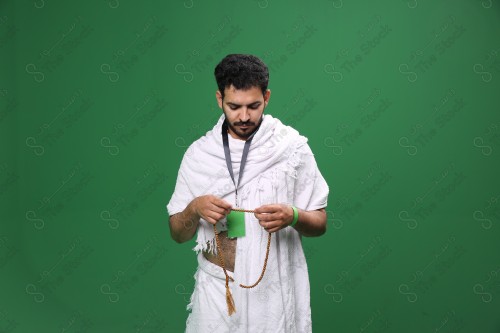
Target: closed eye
column 253, row 106
column 250, row 107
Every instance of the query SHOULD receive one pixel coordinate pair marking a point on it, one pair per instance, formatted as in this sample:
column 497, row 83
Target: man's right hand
column 211, row 208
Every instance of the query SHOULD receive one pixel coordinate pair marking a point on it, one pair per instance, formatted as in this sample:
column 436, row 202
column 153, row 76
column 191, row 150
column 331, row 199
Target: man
column 248, row 161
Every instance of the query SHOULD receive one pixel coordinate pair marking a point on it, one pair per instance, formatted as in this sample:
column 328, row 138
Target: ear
column 267, row 96
column 218, row 96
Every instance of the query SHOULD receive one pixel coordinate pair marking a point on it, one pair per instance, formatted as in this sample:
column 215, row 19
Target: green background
column 399, row 100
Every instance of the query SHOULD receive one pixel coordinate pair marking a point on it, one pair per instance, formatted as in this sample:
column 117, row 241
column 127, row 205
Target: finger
column 273, row 230
column 223, row 203
column 219, row 210
column 266, row 209
column 210, row 220
column 268, row 216
column 274, row 226
column 218, row 216
column 270, row 225
column 261, row 217
column 212, row 217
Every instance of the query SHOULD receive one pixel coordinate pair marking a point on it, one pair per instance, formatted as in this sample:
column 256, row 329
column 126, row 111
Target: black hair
column 243, row 71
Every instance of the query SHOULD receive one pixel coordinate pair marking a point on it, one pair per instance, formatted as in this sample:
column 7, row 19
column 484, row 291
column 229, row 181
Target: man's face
column 243, row 109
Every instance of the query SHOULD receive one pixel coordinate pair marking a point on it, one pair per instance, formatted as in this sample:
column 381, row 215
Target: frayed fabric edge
column 208, row 246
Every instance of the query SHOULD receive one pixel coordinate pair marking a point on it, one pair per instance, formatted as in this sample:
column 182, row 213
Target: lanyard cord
column 229, row 298
column 227, row 155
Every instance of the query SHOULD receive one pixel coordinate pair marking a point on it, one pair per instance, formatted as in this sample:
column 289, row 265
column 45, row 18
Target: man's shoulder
column 205, row 138
column 299, row 139
column 283, row 129
column 196, row 147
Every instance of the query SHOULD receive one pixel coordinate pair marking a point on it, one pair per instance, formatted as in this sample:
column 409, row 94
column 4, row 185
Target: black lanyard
column 227, row 153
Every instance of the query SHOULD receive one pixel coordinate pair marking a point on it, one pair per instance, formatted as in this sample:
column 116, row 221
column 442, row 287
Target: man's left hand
column 274, row 217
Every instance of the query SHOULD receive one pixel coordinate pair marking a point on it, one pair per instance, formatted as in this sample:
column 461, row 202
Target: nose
column 244, row 116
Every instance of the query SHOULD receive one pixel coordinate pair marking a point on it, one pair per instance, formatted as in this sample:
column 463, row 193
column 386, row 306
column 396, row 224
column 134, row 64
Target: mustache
column 244, row 124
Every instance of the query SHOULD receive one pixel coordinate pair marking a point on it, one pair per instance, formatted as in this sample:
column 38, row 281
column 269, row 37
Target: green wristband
column 295, row 216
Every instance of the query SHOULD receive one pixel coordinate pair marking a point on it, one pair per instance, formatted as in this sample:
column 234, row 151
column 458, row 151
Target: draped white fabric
column 280, row 168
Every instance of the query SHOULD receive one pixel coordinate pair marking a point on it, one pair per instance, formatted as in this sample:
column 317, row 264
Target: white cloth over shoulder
column 280, row 168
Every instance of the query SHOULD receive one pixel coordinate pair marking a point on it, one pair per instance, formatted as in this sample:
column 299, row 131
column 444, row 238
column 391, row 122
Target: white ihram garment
column 280, row 168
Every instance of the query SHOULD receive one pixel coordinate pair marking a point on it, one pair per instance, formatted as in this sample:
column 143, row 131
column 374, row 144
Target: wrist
column 193, row 211
column 295, row 216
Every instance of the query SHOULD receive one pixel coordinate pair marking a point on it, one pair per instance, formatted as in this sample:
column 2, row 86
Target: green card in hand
column 235, row 224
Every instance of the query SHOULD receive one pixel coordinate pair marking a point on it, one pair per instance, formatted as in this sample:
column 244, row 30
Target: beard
column 249, row 131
